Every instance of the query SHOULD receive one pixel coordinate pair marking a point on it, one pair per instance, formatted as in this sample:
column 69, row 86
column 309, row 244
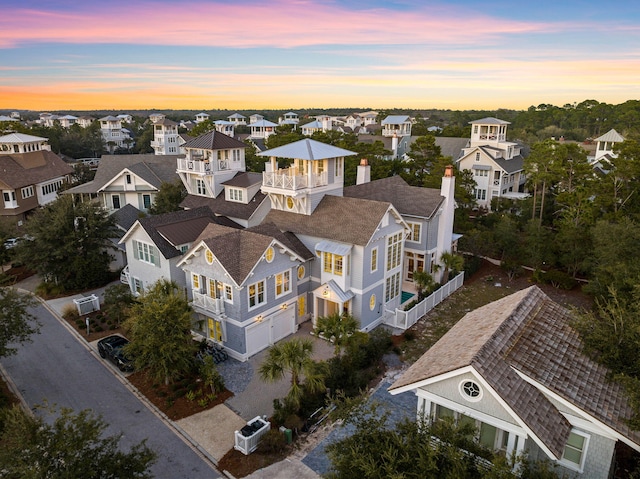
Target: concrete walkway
column 212, row 431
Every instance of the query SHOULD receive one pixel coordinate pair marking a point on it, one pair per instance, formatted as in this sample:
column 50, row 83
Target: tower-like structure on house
column 211, row 159
column 497, row 164
column 165, row 135
column 317, row 170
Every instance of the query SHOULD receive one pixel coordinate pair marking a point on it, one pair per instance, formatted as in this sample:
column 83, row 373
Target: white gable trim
column 497, row 397
column 129, row 232
column 474, row 413
column 604, row 429
column 126, row 171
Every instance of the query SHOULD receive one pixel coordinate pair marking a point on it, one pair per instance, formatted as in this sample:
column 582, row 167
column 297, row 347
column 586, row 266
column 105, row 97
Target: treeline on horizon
column 574, row 121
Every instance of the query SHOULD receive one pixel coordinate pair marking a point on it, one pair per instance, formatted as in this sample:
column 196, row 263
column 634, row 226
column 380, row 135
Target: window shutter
column 135, row 250
column 156, row 256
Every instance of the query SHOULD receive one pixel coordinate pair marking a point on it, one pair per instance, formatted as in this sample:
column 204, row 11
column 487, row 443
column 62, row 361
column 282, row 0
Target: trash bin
column 288, row 435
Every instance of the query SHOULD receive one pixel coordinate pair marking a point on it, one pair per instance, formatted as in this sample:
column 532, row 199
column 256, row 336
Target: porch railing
column 214, row 305
column 291, row 179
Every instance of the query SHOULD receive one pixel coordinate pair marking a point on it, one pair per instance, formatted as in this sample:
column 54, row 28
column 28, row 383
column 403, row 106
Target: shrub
column 98, row 329
column 203, row 402
column 471, row 265
column 190, row 396
column 559, row 279
column 411, row 305
column 409, row 335
column 273, row 442
column 70, row 312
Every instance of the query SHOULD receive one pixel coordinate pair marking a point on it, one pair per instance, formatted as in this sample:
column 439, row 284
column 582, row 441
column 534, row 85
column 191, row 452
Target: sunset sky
column 287, row 54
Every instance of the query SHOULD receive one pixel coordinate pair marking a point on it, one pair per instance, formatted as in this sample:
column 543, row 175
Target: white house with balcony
column 289, row 118
column 30, row 175
column 113, row 134
column 604, row 148
column 262, row 129
column 516, row 370
column 202, row 116
column 128, row 180
column 85, row 121
column 237, row 119
column 155, row 244
column 67, row 121
column 497, row 164
column 166, row 139
column 225, row 127
column 396, row 125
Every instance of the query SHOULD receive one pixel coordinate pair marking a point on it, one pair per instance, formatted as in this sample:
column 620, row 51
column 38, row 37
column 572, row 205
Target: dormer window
column 477, row 156
column 236, row 194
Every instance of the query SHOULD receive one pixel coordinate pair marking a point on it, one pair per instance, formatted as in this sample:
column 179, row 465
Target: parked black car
column 111, row 347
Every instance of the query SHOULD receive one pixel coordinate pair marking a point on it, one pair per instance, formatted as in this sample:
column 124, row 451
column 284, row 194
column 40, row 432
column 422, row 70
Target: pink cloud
column 280, row 24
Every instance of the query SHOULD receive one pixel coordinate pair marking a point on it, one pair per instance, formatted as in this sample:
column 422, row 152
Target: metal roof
column 307, row 149
column 612, row 135
column 490, row 121
column 20, row 138
column 395, row 120
column 327, row 246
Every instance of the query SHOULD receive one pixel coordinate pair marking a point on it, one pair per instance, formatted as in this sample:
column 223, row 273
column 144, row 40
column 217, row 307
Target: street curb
column 195, row 446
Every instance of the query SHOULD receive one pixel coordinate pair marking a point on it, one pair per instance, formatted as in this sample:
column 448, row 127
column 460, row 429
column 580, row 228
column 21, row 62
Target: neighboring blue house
column 244, row 286
column 314, row 252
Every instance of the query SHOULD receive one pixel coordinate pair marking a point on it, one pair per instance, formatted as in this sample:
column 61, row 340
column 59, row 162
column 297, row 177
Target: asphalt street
column 58, row 369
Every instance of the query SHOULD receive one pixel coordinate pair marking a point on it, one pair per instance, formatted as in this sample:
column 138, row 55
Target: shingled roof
column 362, row 218
column 154, row 169
column 221, row 206
column 170, row 230
column 408, row 200
column 213, row 140
column 238, row 251
column 25, row 169
column 529, row 333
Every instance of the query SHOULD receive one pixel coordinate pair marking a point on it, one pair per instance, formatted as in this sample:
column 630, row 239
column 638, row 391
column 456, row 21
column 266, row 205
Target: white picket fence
column 405, row 319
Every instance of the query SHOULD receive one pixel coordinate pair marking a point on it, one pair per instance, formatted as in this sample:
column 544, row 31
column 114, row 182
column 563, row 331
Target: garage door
column 258, row 337
column 283, row 324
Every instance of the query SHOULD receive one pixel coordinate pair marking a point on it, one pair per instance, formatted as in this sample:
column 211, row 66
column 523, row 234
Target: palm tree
column 451, row 262
column 424, row 282
column 294, row 357
column 337, row 328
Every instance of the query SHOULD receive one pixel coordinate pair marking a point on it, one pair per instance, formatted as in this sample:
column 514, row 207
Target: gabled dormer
column 317, row 170
column 211, row 159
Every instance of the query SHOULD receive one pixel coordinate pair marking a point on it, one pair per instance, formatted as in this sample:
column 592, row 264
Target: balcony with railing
column 157, row 144
column 292, row 179
column 207, row 303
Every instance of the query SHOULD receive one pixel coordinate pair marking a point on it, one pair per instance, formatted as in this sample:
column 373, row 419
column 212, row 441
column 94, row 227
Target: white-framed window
column 257, row 294
column 195, row 281
column 27, row 192
column 332, row 263
column 269, row 254
column 392, row 287
column 477, row 156
column 137, row 286
column 394, row 251
column 301, row 272
column 201, row 189
column 283, row 283
column 475, row 129
column 374, row 259
column 236, row 155
column 480, row 194
column 227, row 293
column 9, row 199
column 415, row 232
column 372, row 302
column 575, row 450
column 339, row 166
column 480, row 172
column 128, row 179
column 235, row 194
column 470, row 390
column 51, row 187
column 146, row 201
column 146, row 253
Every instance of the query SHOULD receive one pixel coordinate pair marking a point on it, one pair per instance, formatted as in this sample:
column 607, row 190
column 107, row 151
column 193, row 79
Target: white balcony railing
column 214, row 305
column 290, row 179
column 194, row 166
column 124, row 275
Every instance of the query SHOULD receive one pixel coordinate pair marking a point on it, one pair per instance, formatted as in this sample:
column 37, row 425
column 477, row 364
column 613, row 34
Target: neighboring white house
column 396, row 126
column 604, row 147
column 497, row 164
column 128, row 179
column 262, row 129
column 113, row 134
column 517, row 370
column 155, row 245
column 237, row 119
column 200, row 117
column 166, row 140
column 289, row 118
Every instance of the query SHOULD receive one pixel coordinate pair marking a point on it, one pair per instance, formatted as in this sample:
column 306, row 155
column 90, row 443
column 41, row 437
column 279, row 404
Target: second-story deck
column 207, row 303
column 293, row 179
column 204, row 167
